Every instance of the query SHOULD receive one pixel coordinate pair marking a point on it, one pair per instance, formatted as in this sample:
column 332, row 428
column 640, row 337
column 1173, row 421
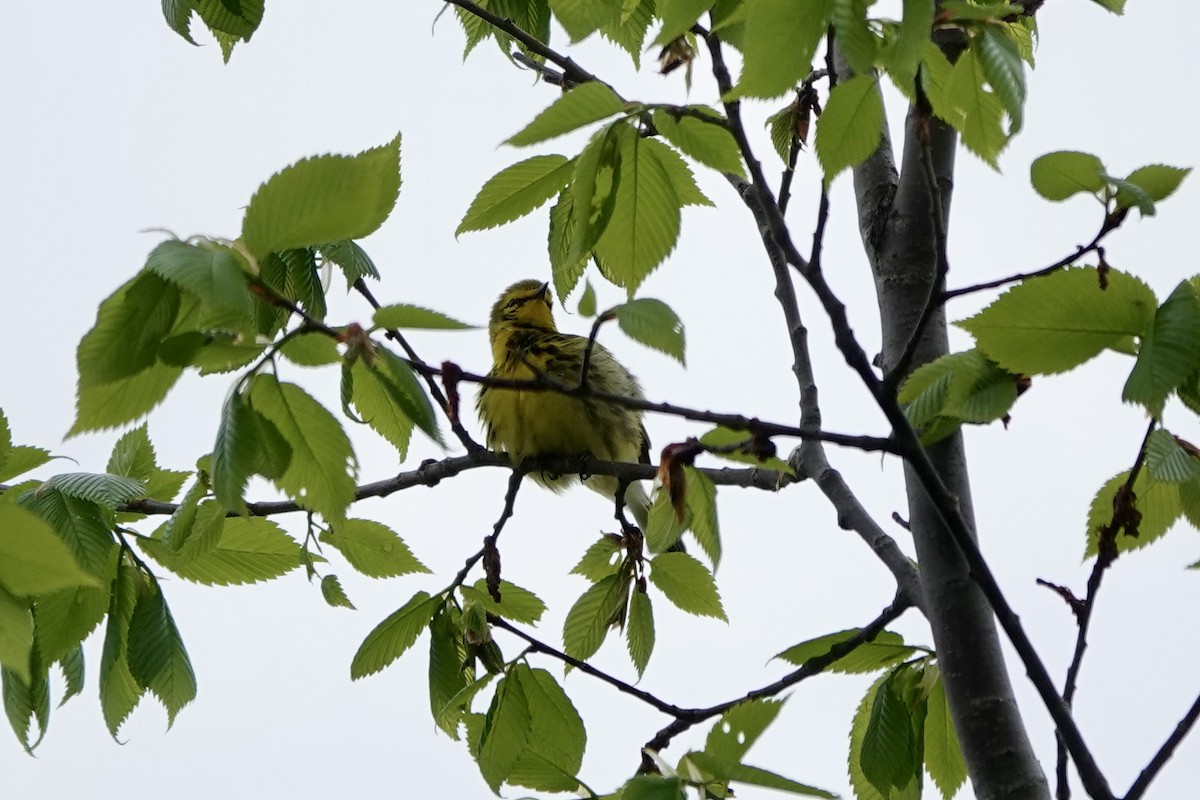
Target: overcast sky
column 114, row 125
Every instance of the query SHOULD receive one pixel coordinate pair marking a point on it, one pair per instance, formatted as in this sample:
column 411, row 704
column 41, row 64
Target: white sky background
column 115, row 125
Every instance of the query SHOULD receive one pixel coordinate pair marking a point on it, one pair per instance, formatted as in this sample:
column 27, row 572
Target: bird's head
column 526, row 303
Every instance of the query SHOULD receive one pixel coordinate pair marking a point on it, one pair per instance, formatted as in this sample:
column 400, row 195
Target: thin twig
column 489, row 542
column 1164, row 753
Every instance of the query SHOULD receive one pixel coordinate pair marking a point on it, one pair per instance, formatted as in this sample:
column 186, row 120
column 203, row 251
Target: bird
column 526, row 344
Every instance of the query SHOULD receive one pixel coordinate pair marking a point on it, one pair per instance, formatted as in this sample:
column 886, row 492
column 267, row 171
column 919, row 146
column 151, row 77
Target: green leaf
column 390, row 399
column 130, row 325
column 1169, row 353
column 779, row 42
column 654, row 324
column 943, row 756
column 16, row 635
column 589, row 619
column 974, row 110
column 133, row 456
column 210, row 272
column 1158, row 181
column 628, row 27
column 65, row 618
column 311, row 350
column 33, row 559
column 553, row 753
column 587, row 302
column 351, row 258
column 334, row 594
column 72, row 670
column 593, row 195
column 80, row 524
column 403, row 315
column 102, row 488
column 644, row 224
column 855, row 39
column 732, row 736
column 1130, row 195
column 1159, row 504
column 394, row 635
column 506, row 732
column 1167, row 461
column 241, row 550
column 851, row 126
column 21, row 459
column 26, row 702
column 516, row 604
column 885, row 650
column 322, row 470
column 663, row 527
column 721, row 437
column 678, row 17
column 903, row 54
column 586, row 103
column 702, row 514
column 687, row 583
column 600, row 560
column 1057, row 322
column 323, row 199
column 516, row 191
column 449, row 672
column 98, row 407
column 1000, row 59
column 653, row 787
column 639, row 630
column 710, row 143
column 683, row 181
column 247, row 443
column 373, row 548
column 566, row 266
column 890, row 753
column 1065, row 173
column 119, row 690
column 158, row 660
column 958, row 387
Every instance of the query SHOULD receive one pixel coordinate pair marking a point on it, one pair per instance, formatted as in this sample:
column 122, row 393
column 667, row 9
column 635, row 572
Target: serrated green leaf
column 1130, row 195
column 26, row 702
column 21, row 459
column 628, row 28
column 589, row 619
column 721, row 437
column 593, row 194
column 449, row 672
column 903, row 54
column 663, row 526
column 1169, row 353
column 779, row 41
column 373, row 548
column 322, row 470
column 1189, row 499
column 975, row 111
column 966, row 387
column 403, row 315
column 587, row 301
column 130, row 325
column 72, row 665
column 33, row 559
column 639, row 630
column 565, row 267
column 81, row 525
column 390, row 638
column 1054, row 323
column 516, row 191
column 99, row 407
column 1158, row 181
column 102, row 488
column 885, row 650
column 390, row 399
column 323, row 199
column 158, row 660
column 238, row 550
column 855, row 39
column 683, row 181
column 710, row 143
column 578, row 17
column 851, row 126
column 687, row 583
column 506, row 732
column 1065, row 173
column 653, row 787
column 654, row 324
column 351, row 258
column 238, row 20
column 211, row 273
column 554, row 751
column 782, row 128
column 119, row 691
column 1169, row 462
column 586, row 103
column 890, row 754
column 732, row 736
column 756, row 776
column 600, row 560
column 943, row 756
column 1159, row 504
column 516, row 603
column 247, row 443
column 678, row 17
column 133, row 456
column 643, row 227
column 1000, row 60
column 16, row 635
column 310, row 350
column 65, row 618
column 334, row 594
column 702, row 514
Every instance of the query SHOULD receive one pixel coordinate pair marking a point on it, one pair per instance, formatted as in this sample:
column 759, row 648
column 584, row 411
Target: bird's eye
column 516, row 301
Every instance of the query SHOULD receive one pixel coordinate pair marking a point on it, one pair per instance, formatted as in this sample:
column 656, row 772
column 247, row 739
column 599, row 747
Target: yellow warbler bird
column 525, row 424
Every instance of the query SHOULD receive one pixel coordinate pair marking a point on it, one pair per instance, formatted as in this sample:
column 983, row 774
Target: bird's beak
column 544, row 294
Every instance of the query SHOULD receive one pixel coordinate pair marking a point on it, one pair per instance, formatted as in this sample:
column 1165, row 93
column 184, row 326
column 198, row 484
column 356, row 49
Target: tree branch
column 1164, row 753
